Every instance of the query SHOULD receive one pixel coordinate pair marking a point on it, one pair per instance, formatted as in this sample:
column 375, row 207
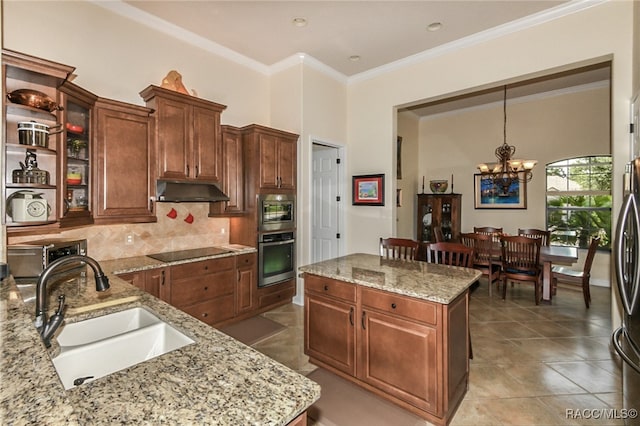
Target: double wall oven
column 276, row 238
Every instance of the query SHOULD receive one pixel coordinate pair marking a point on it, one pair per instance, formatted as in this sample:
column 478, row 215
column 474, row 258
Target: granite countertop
column 428, row 281
column 217, row 380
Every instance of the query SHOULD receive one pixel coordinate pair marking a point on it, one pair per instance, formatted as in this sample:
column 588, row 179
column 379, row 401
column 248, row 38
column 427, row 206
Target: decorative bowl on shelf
column 438, row 186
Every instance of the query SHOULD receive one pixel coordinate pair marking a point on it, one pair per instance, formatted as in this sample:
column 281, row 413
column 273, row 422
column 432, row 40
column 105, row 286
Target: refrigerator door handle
column 615, row 340
column 628, row 212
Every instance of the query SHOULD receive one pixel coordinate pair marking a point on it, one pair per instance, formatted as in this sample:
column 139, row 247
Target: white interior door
column 325, row 223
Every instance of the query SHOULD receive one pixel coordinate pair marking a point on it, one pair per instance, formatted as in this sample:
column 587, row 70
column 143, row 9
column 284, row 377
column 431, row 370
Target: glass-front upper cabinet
column 31, row 140
column 75, row 156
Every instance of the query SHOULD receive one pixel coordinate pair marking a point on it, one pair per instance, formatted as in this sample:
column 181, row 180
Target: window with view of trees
column 579, row 201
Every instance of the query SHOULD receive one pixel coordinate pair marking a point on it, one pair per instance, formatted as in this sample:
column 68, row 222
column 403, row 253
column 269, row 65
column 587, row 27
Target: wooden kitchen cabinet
column 443, row 210
column 123, row 155
column 232, row 174
column 271, row 157
column 410, row 351
column 247, row 283
column 390, row 325
column 25, row 72
column 75, row 156
column 205, row 289
column 188, row 136
column 150, row 280
column 329, row 319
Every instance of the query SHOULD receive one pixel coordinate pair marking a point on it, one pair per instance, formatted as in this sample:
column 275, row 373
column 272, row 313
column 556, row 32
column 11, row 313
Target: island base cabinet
column 331, row 336
column 391, row 348
column 410, row 351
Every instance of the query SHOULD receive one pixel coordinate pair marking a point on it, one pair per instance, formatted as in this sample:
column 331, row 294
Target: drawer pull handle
column 351, row 316
column 364, row 314
column 393, row 306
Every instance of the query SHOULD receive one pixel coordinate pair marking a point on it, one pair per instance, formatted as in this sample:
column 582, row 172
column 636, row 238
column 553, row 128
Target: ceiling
column 379, row 33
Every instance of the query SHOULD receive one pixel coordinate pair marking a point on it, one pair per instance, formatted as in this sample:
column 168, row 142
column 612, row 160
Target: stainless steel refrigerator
column 626, row 253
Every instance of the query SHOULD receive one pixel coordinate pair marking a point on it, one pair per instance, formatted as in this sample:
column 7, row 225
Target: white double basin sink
column 97, row 347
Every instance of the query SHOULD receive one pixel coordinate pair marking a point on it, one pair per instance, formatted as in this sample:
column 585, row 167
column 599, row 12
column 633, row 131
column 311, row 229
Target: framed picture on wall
column 499, row 194
column 368, row 190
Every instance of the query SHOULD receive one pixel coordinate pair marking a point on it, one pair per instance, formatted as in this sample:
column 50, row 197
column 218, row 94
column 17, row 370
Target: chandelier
column 508, row 169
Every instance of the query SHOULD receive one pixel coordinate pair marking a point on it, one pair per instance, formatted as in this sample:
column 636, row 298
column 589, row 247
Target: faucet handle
column 61, row 304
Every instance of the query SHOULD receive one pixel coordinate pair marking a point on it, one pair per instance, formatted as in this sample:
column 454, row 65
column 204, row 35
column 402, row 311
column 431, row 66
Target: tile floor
column 531, row 363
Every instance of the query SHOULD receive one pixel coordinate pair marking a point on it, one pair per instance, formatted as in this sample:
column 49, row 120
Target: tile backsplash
column 106, row 242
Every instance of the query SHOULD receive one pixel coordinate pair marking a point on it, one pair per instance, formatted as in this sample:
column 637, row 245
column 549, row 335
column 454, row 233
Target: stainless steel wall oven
column 276, row 257
column 276, row 212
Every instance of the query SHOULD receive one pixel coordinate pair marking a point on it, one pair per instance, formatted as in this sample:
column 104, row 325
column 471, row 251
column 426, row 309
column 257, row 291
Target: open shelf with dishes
column 31, row 140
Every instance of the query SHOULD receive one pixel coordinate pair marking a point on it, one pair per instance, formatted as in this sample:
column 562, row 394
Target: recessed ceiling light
column 434, row 26
column 299, row 22
column 354, row 58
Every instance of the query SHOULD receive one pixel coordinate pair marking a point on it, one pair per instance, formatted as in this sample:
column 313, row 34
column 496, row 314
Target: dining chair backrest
column 399, row 248
column 482, row 245
column 438, row 234
column 489, row 230
column 591, row 254
column 447, row 253
column 545, row 236
column 520, row 254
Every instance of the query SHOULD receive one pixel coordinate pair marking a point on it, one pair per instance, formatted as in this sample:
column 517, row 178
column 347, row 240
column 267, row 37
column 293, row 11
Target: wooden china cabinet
column 443, row 210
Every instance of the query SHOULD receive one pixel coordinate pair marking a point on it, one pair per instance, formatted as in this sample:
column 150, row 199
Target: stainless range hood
column 188, row 192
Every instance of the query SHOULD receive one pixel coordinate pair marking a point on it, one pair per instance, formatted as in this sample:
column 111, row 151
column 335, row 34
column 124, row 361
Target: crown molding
column 179, row 33
column 548, row 15
column 151, row 21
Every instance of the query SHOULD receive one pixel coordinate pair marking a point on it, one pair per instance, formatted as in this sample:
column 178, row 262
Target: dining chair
column 483, row 258
column 454, row 254
column 571, row 276
column 521, row 262
column 489, row 230
column 447, row 253
column 438, row 234
column 399, row 248
column 545, row 236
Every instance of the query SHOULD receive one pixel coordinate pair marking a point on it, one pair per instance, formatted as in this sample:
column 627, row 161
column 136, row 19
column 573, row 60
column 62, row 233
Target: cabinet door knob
column 393, row 306
column 206, row 288
column 205, row 315
column 326, row 288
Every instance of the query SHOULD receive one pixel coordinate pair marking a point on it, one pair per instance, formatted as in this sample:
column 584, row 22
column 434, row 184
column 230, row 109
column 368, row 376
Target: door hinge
column 631, row 128
column 338, row 235
column 337, row 198
column 337, row 161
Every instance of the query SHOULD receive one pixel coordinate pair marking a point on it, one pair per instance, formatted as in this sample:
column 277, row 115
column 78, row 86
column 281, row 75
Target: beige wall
column 116, row 58
column 560, row 44
column 546, row 128
column 411, row 183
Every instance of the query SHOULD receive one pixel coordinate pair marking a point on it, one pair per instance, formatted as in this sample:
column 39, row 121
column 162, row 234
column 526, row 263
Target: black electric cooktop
column 173, row 256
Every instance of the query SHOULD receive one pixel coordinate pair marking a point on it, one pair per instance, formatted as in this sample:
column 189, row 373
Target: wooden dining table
column 548, row 256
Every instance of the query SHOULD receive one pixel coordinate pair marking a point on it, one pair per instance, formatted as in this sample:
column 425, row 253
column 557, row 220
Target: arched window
column 579, row 201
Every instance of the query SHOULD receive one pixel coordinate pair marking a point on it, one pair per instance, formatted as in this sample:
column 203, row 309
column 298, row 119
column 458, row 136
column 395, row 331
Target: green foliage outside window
column 579, row 201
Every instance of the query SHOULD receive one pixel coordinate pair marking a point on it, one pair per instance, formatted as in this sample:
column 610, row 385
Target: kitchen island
column 217, row 380
column 397, row 328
